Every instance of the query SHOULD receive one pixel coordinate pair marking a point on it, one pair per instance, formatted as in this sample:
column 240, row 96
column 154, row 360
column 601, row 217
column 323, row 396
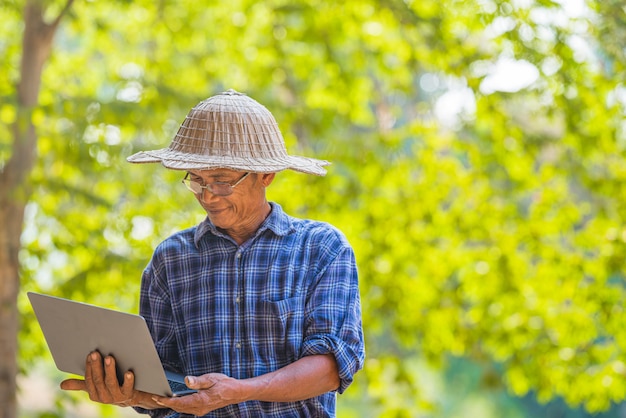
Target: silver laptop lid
column 72, row 330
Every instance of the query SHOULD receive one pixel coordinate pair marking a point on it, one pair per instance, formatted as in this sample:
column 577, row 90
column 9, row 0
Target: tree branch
column 63, row 12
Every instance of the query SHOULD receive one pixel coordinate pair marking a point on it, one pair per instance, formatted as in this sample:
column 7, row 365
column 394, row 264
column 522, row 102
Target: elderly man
column 258, row 309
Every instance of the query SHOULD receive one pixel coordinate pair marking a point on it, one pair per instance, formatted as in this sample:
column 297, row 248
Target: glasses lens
column 193, row 186
column 218, row 189
column 221, row 189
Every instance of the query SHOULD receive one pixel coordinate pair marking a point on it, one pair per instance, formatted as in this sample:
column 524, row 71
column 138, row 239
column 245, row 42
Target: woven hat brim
column 176, row 160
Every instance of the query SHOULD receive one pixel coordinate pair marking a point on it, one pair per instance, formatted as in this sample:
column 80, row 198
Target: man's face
column 244, row 208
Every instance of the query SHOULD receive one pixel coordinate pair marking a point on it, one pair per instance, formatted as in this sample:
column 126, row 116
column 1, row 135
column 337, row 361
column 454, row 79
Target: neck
column 246, row 231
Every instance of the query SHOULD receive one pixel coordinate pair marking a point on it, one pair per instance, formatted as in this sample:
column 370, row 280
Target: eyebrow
column 214, row 176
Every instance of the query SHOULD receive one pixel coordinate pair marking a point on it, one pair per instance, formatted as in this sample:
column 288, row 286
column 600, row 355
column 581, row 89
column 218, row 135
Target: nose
column 206, row 196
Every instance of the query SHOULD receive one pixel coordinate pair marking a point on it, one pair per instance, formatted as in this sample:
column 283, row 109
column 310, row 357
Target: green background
column 488, row 222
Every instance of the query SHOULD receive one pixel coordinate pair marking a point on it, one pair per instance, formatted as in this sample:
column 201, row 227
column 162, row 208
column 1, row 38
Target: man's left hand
column 215, row 390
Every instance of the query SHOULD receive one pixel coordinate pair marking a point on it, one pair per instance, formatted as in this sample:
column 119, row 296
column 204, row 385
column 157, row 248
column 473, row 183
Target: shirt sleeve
column 333, row 316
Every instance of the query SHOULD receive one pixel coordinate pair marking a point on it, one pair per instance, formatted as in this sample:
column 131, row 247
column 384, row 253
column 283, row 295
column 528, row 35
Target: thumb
column 200, row 382
column 73, row 384
column 192, row 382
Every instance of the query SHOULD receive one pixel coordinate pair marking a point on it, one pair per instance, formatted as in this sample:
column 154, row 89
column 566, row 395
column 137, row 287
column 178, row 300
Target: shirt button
column 238, row 345
column 238, row 299
column 238, row 255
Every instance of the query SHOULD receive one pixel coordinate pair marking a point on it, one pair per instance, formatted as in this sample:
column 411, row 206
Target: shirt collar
column 278, row 222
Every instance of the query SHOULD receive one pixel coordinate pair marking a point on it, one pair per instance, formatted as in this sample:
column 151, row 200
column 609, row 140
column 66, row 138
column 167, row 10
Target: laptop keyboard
column 177, row 386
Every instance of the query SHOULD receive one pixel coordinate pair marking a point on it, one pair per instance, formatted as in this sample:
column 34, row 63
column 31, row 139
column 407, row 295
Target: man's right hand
column 102, row 385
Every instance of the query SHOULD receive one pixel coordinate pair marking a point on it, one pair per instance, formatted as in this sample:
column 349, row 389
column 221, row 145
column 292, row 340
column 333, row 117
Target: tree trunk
column 15, row 192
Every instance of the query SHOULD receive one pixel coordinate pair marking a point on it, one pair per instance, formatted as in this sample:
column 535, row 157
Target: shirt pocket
column 283, row 324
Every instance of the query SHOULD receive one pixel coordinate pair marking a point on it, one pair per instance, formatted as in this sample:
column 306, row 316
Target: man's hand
column 215, row 390
column 102, row 385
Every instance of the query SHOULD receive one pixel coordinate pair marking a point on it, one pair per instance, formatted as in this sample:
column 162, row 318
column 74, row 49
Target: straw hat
column 229, row 130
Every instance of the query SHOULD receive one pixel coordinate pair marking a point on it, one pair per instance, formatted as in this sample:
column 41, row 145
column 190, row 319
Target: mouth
column 214, row 211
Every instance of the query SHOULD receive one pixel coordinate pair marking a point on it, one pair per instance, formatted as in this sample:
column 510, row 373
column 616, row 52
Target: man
column 258, row 309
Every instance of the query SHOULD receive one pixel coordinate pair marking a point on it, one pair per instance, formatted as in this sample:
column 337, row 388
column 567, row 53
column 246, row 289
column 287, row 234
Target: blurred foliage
column 488, row 223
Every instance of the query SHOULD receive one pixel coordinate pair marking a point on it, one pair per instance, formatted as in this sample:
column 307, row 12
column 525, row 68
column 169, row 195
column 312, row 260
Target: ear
column 267, row 178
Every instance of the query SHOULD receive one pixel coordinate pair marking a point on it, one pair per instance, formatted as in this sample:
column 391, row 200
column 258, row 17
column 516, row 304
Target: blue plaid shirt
column 288, row 292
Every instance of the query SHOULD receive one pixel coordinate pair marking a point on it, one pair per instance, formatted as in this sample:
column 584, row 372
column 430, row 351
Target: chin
column 218, row 221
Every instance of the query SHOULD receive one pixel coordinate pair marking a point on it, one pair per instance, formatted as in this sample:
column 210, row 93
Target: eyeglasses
column 219, row 188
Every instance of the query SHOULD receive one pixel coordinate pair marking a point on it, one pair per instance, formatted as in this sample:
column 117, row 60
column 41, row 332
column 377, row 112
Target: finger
column 89, row 384
column 129, row 384
column 192, row 382
column 73, row 384
column 98, row 378
column 161, row 401
column 178, row 404
column 110, row 375
column 201, row 382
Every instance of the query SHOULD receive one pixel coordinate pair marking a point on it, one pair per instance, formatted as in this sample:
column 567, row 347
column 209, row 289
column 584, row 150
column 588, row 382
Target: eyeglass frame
column 209, row 187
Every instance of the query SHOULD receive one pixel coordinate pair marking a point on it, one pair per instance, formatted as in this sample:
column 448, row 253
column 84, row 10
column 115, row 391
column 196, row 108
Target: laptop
column 73, row 330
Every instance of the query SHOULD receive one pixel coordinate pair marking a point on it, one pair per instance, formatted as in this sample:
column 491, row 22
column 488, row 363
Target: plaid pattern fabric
column 288, row 292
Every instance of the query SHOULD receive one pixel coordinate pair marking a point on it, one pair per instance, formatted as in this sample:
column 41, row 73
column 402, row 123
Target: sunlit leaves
column 499, row 236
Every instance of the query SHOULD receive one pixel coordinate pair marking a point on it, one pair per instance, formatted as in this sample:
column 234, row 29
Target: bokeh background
column 478, row 170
